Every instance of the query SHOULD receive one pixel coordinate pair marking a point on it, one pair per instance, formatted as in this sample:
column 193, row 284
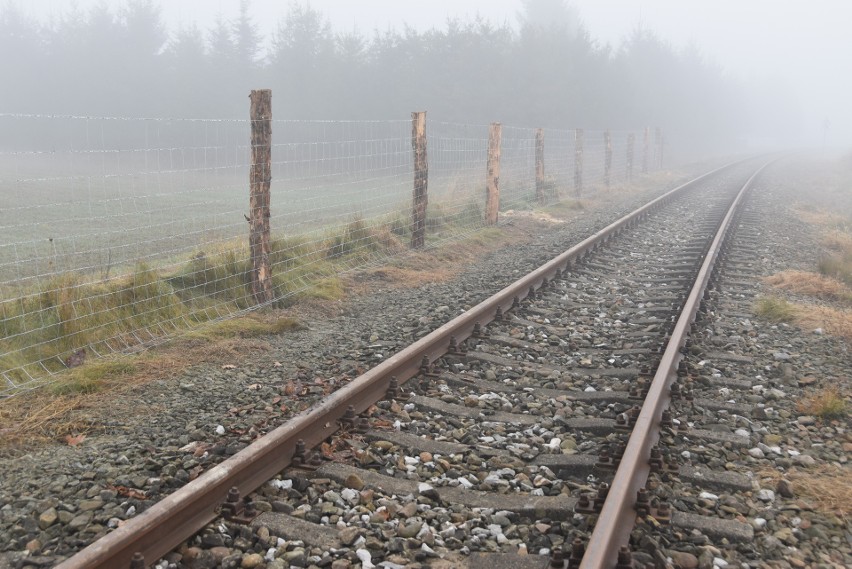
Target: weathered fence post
column 646, row 149
column 631, row 142
column 578, row 162
column 492, row 175
column 607, row 157
column 539, row 165
column 260, row 178
column 421, row 179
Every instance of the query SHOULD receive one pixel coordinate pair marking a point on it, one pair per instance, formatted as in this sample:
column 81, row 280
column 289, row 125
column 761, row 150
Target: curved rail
column 617, row 516
column 175, row 518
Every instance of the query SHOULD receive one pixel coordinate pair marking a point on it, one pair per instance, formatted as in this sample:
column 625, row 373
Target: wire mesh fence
column 118, row 233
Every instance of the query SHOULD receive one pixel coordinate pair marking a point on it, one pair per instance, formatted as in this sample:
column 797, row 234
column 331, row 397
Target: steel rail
column 175, row 518
column 617, row 517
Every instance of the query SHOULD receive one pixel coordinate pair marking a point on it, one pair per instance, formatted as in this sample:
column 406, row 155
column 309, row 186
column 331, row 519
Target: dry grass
column 79, row 401
column 811, row 284
column 827, row 487
column 439, row 264
column 816, row 216
column 835, row 227
column 834, row 321
column 827, row 403
column 838, row 241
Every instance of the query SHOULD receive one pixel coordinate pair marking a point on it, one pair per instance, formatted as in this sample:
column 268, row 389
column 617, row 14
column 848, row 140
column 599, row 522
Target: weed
column 828, row 403
column 774, row 309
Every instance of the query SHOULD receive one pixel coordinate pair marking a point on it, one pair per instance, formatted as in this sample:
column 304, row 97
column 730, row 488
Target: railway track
column 535, row 430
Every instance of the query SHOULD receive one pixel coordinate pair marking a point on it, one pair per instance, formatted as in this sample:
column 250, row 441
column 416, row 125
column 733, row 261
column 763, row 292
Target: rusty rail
column 161, row 528
column 617, row 516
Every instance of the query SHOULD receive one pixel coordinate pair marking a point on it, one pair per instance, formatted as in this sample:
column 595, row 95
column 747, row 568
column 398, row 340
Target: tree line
column 546, row 71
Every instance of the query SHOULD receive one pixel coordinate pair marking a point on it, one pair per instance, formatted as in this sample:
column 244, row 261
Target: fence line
column 119, row 232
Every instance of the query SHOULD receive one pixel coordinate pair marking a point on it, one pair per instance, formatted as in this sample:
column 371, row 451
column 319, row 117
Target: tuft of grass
column 775, row 309
column 811, row 284
column 92, row 377
column 828, row 487
column 363, row 240
column 827, row 403
column 838, row 241
column 838, row 267
column 331, row 289
column 565, row 206
column 834, row 321
column 244, row 327
column 447, row 215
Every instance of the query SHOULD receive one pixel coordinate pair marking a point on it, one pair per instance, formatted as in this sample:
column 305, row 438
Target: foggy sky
column 804, row 49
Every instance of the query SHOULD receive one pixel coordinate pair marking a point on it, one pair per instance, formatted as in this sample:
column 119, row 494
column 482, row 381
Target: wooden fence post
column 646, row 149
column 421, row 180
column 578, row 162
column 607, row 157
column 631, row 143
column 539, row 165
column 492, row 175
column 260, row 178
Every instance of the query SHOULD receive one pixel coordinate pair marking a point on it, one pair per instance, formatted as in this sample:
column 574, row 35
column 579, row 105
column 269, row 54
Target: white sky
column 807, row 45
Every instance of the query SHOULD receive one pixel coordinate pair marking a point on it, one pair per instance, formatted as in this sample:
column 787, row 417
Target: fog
column 722, row 76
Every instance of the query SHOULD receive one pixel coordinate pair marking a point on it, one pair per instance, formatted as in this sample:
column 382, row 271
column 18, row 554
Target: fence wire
column 118, row 233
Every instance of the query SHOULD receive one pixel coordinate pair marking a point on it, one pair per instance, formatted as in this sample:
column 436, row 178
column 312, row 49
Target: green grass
column 92, row 377
column 774, row 309
column 81, row 310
